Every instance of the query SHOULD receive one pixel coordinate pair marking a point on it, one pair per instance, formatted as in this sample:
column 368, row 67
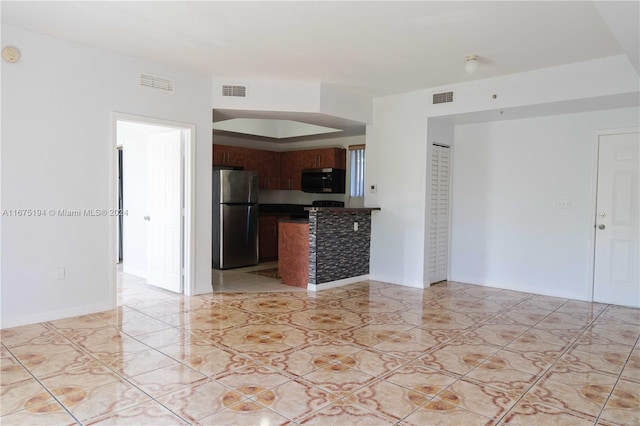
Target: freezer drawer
column 237, row 239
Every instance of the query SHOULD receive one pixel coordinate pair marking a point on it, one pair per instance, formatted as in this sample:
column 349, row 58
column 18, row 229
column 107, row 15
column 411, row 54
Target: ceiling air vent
column 234, row 90
column 442, row 98
column 156, row 82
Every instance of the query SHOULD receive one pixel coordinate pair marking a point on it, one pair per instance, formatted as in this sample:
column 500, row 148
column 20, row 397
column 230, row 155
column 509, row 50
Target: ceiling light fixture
column 471, row 66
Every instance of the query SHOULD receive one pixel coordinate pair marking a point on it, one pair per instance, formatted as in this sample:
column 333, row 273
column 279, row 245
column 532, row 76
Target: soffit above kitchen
column 283, row 127
column 375, row 48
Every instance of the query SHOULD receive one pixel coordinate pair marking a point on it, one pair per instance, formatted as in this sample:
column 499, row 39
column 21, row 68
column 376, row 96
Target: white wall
column 294, row 96
column 398, row 155
column 507, row 178
column 58, row 152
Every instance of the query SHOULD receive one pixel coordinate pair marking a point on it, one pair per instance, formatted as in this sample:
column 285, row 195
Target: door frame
column 594, row 197
column 188, row 135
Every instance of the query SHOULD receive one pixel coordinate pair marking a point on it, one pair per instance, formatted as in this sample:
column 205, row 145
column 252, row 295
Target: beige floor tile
column 168, row 379
column 244, row 413
column 480, row 399
column 12, row 372
column 623, row 406
column 343, row 413
column 583, row 399
column 149, row 413
column 22, row 395
column 134, row 364
column 11, row 337
column 631, row 370
column 531, row 413
column 368, row 353
column 418, row 378
column 206, row 357
column 246, row 380
column 339, row 377
column 94, row 403
column 196, row 402
column 440, row 413
column 391, row 400
column 40, row 363
column 83, row 378
column 294, row 399
column 47, row 414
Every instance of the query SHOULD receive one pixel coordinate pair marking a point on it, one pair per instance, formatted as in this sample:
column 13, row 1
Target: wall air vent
column 234, row 90
column 442, row 98
column 156, row 82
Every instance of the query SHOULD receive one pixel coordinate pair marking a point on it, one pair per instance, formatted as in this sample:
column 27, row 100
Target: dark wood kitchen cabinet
column 268, row 238
column 325, row 158
column 267, row 164
column 224, row 155
column 279, row 170
column 291, row 165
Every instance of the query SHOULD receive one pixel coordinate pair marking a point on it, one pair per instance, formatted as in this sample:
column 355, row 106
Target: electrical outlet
column 355, row 226
column 563, row 204
column 60, row 273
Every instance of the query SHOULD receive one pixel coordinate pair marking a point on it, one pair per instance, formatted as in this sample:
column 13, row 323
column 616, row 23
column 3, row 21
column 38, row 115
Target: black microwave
column 327, row 181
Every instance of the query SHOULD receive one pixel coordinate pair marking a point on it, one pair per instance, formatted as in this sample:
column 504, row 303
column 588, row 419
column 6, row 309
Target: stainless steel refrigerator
column 235, row 218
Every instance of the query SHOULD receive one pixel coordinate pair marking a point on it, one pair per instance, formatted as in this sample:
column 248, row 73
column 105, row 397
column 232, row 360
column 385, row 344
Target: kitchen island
column 334, row 246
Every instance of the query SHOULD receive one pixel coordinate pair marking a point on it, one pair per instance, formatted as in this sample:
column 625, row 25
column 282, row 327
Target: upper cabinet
column 224, row 155
column 267, row 164
column 279, row 170
column 291, row 165
column 325, row 158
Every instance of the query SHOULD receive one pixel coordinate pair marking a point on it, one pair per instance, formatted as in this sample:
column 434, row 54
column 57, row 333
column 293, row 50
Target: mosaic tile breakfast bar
column 330, row 249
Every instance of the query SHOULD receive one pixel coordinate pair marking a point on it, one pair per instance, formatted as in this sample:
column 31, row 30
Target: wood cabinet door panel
column 268, row 238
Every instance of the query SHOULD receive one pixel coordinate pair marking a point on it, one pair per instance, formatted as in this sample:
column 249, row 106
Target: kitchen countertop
column 342, row 209
column 302, row 221
column 274, row 209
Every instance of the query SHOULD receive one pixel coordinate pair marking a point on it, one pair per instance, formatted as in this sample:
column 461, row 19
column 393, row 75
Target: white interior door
column 164, row 205
column 439, row 225
column 617, row 258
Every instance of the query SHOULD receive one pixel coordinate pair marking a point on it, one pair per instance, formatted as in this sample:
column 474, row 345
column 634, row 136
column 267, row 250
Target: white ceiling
column 376, row 48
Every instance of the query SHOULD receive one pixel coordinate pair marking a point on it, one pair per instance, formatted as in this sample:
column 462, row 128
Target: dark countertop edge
column 342, row 209
column 295, row 221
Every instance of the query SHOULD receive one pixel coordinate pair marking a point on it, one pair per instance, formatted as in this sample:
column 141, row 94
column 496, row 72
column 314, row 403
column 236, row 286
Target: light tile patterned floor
column 365, row 354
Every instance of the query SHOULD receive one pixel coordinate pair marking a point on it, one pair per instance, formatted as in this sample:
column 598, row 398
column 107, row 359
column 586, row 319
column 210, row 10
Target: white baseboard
column 55, row 315
column 337, row 283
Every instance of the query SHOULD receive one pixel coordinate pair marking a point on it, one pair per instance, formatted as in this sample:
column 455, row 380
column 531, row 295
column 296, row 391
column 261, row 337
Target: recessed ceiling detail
column 270, row 128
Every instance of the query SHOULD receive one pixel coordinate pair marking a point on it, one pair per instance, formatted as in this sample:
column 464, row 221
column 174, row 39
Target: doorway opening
column 153, row 202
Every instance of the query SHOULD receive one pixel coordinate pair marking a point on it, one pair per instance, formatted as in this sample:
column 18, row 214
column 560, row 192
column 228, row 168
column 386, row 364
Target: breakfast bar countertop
column 342, row 209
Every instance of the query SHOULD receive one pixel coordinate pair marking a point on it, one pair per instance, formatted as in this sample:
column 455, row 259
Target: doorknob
column 147, row 218
column 601, row 226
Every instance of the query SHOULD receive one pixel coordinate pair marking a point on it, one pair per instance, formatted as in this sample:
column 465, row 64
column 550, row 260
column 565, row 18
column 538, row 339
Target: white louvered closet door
column 439, row 225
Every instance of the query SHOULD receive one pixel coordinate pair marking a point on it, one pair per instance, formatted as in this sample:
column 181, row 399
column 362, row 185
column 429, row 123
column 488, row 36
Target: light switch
column 373, row 188
column 355, row 226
